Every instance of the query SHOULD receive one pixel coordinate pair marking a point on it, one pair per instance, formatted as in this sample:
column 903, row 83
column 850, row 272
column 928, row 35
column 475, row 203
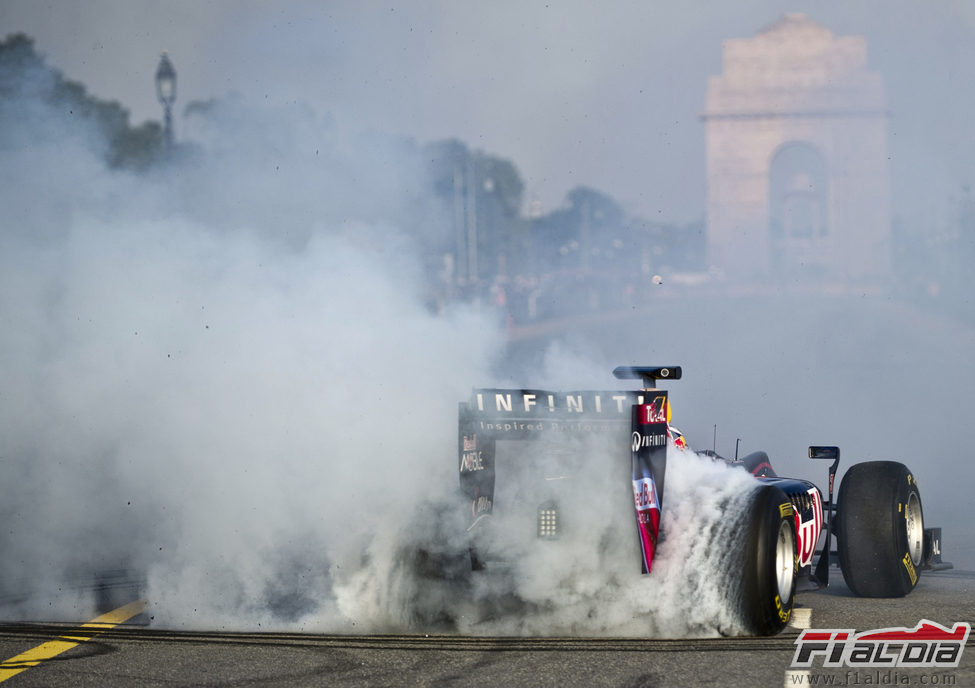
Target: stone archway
column 796, row 143
column 798, row 207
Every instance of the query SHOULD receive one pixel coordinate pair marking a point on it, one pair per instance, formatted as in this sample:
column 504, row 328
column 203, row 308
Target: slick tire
column 879, row 529
column 432, row 575
column 768, row 586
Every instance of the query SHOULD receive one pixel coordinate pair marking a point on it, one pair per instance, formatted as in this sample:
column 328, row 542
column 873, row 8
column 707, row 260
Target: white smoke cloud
column 588, row 581
column 222, row 375
column 214, row 383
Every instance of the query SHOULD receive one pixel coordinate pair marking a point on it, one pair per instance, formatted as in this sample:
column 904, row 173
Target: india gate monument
column 796, row 145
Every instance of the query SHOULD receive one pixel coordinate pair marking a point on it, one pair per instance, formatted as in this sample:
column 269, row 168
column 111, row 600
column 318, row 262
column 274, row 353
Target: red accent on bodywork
column 648, row 522
column 808, row 531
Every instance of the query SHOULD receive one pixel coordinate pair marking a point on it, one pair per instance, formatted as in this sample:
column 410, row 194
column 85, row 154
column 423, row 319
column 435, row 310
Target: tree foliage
column 482, row 197
column 461, row 207
column 25, row 76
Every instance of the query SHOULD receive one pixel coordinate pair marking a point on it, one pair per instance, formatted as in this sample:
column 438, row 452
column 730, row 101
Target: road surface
column 111, row 652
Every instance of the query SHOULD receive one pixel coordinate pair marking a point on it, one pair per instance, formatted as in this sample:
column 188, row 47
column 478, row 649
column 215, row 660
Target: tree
column 481, row 196
column 26, row 79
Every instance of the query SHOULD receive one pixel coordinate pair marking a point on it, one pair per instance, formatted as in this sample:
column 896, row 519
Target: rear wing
column 526, row 414
column 636, row 419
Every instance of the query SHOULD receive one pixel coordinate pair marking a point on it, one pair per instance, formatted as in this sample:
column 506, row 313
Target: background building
column 797, row 157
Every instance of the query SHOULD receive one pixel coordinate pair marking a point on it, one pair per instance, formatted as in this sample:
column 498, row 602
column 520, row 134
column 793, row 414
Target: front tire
column 880, row 529
column 768, row 569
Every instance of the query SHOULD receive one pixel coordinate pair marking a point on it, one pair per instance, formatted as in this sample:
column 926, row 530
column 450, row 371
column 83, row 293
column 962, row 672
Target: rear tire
column 768, row 586
column 879, row 529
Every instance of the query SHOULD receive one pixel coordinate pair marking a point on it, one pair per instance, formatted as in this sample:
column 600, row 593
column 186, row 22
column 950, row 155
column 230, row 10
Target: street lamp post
column 166, row 92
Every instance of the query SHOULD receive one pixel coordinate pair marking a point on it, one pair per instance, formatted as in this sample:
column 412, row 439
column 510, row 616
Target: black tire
column 768, row 566
column 431, row 576
column 879, row 529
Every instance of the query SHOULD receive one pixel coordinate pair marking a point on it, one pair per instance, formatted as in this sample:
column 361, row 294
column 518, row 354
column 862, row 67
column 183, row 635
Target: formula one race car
column 877, row 518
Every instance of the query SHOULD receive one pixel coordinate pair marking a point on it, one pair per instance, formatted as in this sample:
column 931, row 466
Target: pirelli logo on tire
column 784, row 614
column 909, row 565
column 786, row 510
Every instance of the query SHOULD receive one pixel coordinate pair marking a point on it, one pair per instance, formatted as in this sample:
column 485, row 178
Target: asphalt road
column 106, row 654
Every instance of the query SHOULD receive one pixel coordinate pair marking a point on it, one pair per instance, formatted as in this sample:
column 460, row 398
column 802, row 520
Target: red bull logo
column 645, row 494
column 677, row 436
column 647, row 518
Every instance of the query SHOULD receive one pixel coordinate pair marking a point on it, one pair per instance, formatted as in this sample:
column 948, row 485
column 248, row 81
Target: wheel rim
column 915, row 528
column 784, row 561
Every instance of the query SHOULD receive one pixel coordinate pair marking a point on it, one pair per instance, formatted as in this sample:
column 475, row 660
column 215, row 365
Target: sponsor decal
column 927, row 645
column 657, row 411
column 507, row 403
column 471, row 458
column 640, row 440
column 909, row 565
column 647, row 518
column 784, row 614
column 481, row 505
column 809, row 523
column 526, row 429
column 645, row 494
column 471, row 461
column 677, row 436
column 511, row 427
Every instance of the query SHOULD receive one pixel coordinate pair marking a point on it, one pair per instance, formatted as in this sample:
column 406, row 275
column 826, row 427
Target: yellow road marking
column 52, row 648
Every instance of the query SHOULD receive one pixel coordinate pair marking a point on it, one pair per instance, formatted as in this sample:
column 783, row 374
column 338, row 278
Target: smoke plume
column 223, row 375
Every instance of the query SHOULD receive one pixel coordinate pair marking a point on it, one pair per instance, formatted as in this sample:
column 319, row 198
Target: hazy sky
column 604, row 94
